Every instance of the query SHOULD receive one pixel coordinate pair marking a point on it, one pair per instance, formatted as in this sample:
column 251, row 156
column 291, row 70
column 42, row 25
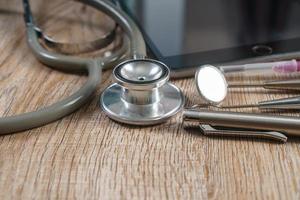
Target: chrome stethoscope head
column 142, row 94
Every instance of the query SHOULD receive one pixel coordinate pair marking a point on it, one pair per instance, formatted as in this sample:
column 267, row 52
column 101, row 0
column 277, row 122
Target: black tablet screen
column 177, row 27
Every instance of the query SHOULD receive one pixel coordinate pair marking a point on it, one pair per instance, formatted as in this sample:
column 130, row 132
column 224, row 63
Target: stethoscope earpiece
column 142, row 94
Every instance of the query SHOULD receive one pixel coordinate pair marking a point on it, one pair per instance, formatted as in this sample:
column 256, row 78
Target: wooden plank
column 87, row 156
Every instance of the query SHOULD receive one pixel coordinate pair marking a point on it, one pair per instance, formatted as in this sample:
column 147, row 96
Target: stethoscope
column 141, row 95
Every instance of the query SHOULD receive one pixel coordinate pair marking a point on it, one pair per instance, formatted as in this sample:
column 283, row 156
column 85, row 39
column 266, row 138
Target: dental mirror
column 212, row 87
column 211, row 84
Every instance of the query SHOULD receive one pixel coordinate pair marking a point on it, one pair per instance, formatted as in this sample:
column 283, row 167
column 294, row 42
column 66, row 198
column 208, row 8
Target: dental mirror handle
column 285, row 85
column 279, row 85
column 288, row 125
column 284, row 103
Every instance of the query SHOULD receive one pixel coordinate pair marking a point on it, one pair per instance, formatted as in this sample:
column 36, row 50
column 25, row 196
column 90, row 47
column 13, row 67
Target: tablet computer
column 187, row 33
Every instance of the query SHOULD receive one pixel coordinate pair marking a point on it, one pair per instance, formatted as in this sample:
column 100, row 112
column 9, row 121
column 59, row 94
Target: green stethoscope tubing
column 93, row 67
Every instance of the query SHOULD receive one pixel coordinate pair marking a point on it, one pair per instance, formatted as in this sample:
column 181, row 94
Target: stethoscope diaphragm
column 142, row 94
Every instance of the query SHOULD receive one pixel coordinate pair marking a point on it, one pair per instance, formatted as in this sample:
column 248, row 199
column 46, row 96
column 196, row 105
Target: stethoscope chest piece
column 142, row 94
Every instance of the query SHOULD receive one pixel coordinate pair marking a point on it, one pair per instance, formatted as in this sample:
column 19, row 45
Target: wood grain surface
column 88, row 156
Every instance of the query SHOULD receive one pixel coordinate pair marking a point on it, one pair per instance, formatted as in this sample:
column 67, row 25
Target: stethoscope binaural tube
column 137, row 42
column 92, row 67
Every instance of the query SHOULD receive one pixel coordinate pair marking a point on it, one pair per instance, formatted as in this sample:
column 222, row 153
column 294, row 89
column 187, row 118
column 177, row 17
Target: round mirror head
column 211, row 84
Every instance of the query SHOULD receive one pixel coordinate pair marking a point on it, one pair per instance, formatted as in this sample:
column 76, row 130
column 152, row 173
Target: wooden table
column 87, row 156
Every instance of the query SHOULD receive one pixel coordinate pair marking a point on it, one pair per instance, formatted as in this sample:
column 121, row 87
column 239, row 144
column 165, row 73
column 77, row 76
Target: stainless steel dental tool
column 214, row 123
column 213, row 87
